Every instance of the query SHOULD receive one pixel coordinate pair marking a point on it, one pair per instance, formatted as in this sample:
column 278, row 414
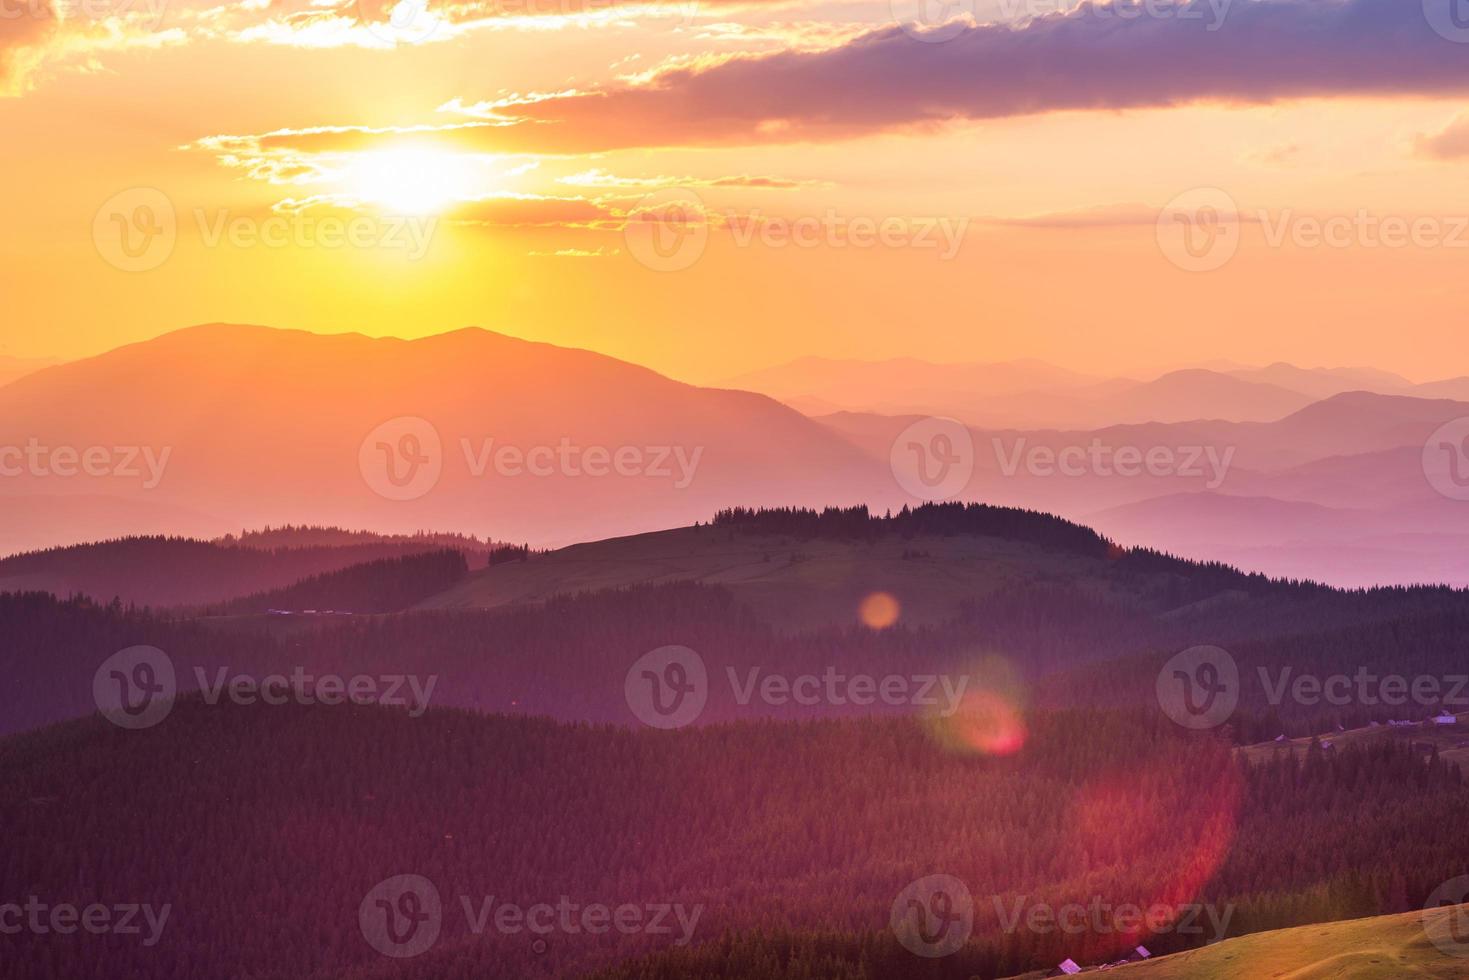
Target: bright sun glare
column 412, row 180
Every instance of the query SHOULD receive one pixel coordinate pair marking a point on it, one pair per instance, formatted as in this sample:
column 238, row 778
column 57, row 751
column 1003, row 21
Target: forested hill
column 166, row 572
column 787, row 837
column 1032, row 527
column 381, row 586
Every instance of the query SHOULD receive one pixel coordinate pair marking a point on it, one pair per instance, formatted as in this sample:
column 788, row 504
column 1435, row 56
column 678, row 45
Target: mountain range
column 1296, row 472
column 1031, row 394
column 224, row 427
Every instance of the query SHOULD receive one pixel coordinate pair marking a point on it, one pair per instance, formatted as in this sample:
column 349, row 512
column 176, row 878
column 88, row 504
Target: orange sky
column 492, row 164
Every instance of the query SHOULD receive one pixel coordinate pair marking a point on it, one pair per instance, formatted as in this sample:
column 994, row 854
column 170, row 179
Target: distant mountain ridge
column 14, row 368
column 1033, row 394
column 264, row 426
column 485, row 434
column 163, row 572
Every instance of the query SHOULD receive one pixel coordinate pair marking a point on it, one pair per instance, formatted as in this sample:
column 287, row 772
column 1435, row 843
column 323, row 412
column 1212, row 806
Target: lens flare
column 1176, row 817
column 879, row 610
column 988, row 718
column 988, row 724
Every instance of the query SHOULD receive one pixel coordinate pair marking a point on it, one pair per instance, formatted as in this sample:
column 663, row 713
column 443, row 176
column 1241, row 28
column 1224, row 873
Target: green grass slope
column 1388, row 947
column 789, row 582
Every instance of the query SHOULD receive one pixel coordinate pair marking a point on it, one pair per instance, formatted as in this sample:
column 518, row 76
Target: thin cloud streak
column 1084, row 60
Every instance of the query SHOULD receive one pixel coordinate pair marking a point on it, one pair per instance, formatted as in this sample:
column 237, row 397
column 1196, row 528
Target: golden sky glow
column 412, row 169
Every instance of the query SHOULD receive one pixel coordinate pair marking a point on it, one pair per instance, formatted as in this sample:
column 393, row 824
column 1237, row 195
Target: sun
column 413, row 180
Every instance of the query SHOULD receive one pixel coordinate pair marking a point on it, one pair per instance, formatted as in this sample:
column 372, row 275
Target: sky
column 712, row 186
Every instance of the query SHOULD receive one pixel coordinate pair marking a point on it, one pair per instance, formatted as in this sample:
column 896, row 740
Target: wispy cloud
column 1267, row 50
column 1449, row 143
column 597, row 177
